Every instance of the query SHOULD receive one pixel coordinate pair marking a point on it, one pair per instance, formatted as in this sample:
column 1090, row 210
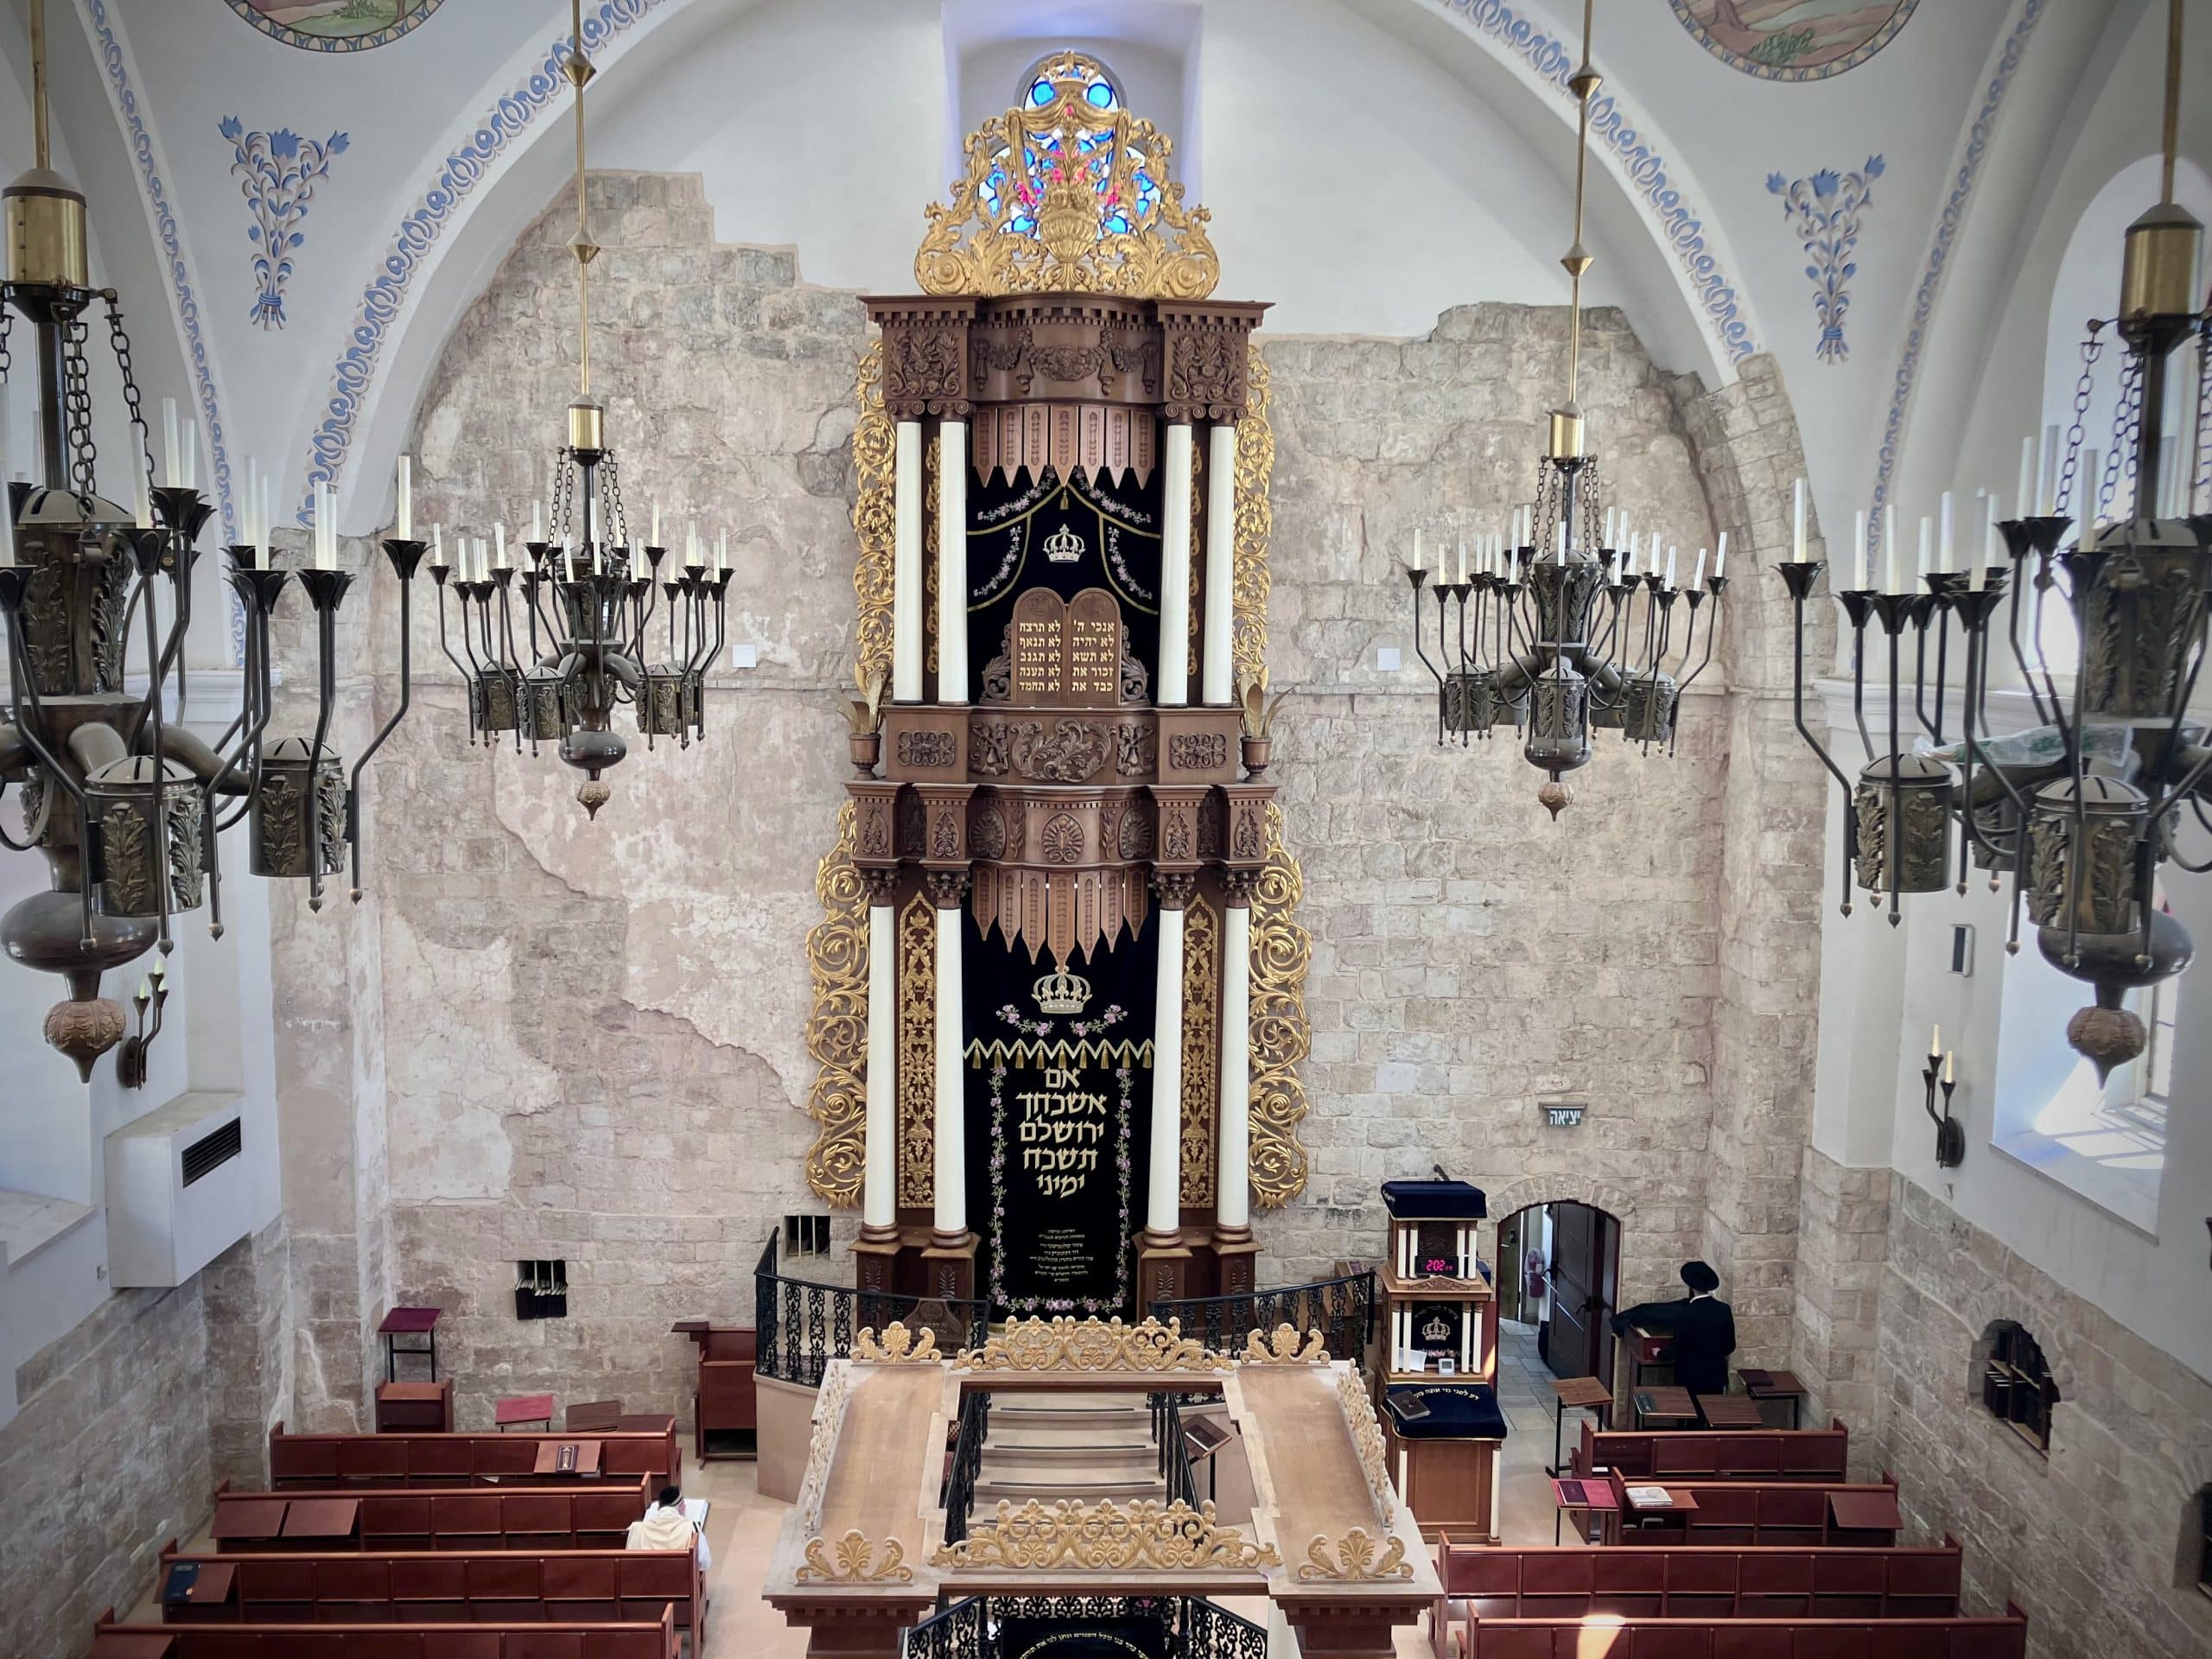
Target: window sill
column 31, row 1221
column 2130, row 1197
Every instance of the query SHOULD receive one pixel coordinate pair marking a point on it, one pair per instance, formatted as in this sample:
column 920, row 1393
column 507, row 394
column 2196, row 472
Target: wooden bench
column 1634, row 1582
column 385, row 1640
column 460, row 1460
column 1744, row 1515
column 725, row 1413
column 594, row 1515
column 440, row 1587
column 1765, row 1454
column 1753, row 1638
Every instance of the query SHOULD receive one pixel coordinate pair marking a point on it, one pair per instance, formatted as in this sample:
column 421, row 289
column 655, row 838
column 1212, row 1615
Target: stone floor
column 1525, row 1510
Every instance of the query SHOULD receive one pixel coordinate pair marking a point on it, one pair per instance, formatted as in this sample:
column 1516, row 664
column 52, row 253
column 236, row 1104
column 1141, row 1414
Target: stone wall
column 2090, row 1540
column 1842, row 1244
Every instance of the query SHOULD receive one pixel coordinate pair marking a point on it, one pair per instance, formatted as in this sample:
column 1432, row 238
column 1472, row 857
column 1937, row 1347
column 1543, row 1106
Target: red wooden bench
column 441, row 1587
column 1753, row 1638
column 563, row 1639
column 458, row 1459
column 1745, row 1514
column 575, row 1514
column 1764, row 1454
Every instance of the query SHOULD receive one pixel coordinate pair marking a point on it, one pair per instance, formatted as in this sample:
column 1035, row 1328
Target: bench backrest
column 565, row 1639
column 1646, row 1582
column 1762, row 1454
column 1752, row 1638
column 451, row 1588
column 575, row 1515
column 456, row 1459
column 1743, row 1514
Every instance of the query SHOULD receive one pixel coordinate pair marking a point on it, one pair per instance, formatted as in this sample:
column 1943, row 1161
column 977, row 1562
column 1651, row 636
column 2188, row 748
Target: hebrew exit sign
column 1563, row 1114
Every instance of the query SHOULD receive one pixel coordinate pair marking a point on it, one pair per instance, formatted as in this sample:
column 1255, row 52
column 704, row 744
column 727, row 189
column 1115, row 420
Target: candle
column 438, row 545
column 1988, row 547
column 2169, row 502
column 1890, row 583
column 7, row 497
column 192, row 454
column 500, row 537
column 2047, row 474
column 2091, row 483
column 1420, row 558
column 1609, row 527
column 721, row 553
column 1669, row 580
column 2027, row 472
column 141, row 500
column 1563, row 540
column 323, row 558
column 1463, row 564
column 1935, row 1041
column 1859, row 551
column 170, row 473
column 1720, row 558
column 1926, row 547
column 1797, row 522
column 656, row 541
column 1943, row 539
column 264, row 516
column 537, row 523
column 406, row 499
column 1950, row 1076
column 1697, row 575
column 253, row 500
column 1628, row 559
column 1624, row 521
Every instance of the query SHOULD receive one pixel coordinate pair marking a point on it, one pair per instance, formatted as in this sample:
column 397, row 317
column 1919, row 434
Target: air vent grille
column 211, row 1151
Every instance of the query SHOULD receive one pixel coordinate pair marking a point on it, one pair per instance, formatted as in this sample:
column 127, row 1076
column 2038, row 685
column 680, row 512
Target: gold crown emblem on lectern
column 1062, row 993
column 1064, row 546
column 1437, row 1330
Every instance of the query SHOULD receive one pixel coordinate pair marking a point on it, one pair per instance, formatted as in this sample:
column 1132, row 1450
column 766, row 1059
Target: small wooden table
column 1775, row 1385
column 1663, row 1404
column 1585, row 1495
column 409, row 1322
column 415, row 1407
column 1731, row 1411
column 517, row 1410
column 1584, row 1392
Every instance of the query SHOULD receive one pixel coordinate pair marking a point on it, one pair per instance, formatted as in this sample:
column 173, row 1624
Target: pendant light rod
column 41, row 141
column 2173, row 99
column 1567, row 420
column 580, row 72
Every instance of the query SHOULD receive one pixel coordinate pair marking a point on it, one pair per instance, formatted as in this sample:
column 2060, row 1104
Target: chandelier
column 126, row 807
column 588, row 607
column 1554, row 630
column 2083, row 810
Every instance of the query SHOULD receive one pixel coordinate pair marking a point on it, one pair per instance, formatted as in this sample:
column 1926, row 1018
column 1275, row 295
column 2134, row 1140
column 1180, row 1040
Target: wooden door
column 1578, row 1275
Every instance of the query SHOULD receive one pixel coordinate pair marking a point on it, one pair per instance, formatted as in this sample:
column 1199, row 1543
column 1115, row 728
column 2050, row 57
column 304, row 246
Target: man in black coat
column 1702, row 1325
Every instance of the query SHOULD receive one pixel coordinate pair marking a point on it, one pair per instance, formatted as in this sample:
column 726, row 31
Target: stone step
column 1084, row 1486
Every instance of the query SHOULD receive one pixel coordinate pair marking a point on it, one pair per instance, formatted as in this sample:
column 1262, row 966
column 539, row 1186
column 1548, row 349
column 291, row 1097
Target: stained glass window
column 1121, row 174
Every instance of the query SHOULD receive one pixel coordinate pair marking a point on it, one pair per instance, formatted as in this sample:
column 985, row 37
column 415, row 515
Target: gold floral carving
column 875, row 452
column 1144, row 1533
column 917, row 1051
column 971, row 247
column 836, row 1032
column 1367, row 1438
column 1284, row 1348
column 1201, row 1048
column 1255, row 466
column 896, row 1346
column 1357, row 1555
column 853, row 1559
column 1281, row 1035
column 1093, row 1345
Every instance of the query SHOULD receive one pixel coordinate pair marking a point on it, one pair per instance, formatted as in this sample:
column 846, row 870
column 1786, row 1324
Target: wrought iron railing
column 803, row 1325
column 1341, row 1310
column 1173, row 1446
column 1184, row 1627
column 959, row 1494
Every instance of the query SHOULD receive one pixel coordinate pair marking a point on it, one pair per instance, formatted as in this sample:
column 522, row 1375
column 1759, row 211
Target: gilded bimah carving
column 1357, row 1555
column 1106, row 1535
column 854, row 1559
column 1067, row 1344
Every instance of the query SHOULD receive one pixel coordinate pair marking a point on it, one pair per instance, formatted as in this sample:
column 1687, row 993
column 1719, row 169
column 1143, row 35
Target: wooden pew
column 460, row 1459
column 1741, row 1514
column 722, row 1402
column 491, row 1640
column 575, row 1514
column 440, row 1587
column 1764, row 1454
column 1633, row 1581
column 1753, row 1638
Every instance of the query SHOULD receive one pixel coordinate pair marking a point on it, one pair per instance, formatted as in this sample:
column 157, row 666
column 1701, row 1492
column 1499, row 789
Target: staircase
column 1086, row 1447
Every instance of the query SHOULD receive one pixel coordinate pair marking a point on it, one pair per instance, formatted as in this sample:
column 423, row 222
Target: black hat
column 1700, row 1278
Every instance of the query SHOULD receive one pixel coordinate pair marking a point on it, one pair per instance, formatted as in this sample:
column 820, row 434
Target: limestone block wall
column 2093, row 1542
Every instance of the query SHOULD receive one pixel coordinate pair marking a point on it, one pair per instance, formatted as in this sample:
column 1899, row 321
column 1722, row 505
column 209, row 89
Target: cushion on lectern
column 1463, row 1412
column 1433, row 1201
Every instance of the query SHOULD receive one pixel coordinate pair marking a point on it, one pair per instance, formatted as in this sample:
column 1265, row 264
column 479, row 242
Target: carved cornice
column 896, row 1346
column 1107, row 1536
column 1093, row 1344
column 1208, row 354
column 1355, row 1556
column 925, row 347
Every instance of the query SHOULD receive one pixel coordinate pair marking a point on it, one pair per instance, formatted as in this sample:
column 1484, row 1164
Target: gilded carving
column 896, row 1346
column 916, row 1073
column 1093, row 1345
column 1256, row 464
column 1284, row 1347
column 855, row 1560
column 1201, row 1049
column 1109, row 1536
column 1356, row 1555
column 1281, row 1035
column 876, row 443
column 836, row 1032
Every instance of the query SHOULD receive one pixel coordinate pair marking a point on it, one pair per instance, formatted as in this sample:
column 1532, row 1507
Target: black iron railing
column 1341, row 1310
column 959, row 1494
column 1180, row 1628
column 803, row 1325
column 1173, row 1446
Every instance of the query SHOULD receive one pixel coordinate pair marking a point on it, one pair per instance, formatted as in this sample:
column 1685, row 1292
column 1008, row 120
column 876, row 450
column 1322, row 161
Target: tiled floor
column 1525, row 1510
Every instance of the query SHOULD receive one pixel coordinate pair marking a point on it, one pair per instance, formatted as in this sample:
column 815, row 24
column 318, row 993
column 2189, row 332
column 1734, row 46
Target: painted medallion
column 1794, row 40
column 334, row 25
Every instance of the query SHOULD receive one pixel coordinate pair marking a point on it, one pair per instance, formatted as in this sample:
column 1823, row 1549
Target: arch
column 500, row 168
column 1533, row 1190
column 2007, row 1363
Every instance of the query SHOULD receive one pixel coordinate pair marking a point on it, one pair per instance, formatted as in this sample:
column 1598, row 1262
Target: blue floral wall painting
column 334, row 25
column 1824, row 211
column 278, row 172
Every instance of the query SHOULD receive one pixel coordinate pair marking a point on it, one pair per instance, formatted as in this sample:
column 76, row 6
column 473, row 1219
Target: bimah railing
column 1182, row 1627
column 802, row 1325
column 1341, row 1310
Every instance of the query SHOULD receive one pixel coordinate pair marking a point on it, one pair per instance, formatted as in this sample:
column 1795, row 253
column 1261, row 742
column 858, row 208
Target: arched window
column 1090, row 141
column 2016, row 1385
column 2201, row 1515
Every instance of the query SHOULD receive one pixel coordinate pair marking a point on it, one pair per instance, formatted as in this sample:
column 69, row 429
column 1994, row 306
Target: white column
column 1174, row 688
column 952, row 562
column 1233, row 1178
column 878, row 1200
column 1163, row 1213
column 1221, row 565
column 907, row 489
column 949, row 1166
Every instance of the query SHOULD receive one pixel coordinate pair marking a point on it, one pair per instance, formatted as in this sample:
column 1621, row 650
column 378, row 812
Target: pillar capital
column 946, row 888
column 1238, row 887
column 1175, row 887
column 881, row 885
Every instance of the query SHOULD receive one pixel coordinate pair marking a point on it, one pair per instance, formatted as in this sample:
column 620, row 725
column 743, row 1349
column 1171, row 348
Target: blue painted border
column 277, row 32
column 1939, row 258
column 1859, row 55
column 1555, row 59
column 424, row 223
column 165, row 231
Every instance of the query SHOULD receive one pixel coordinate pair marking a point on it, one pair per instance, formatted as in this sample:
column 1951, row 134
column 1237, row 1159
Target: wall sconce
column 153, row 994
column 1940, row 1072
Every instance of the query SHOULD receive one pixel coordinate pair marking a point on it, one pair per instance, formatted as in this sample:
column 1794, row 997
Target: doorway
column 1559, row 1268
